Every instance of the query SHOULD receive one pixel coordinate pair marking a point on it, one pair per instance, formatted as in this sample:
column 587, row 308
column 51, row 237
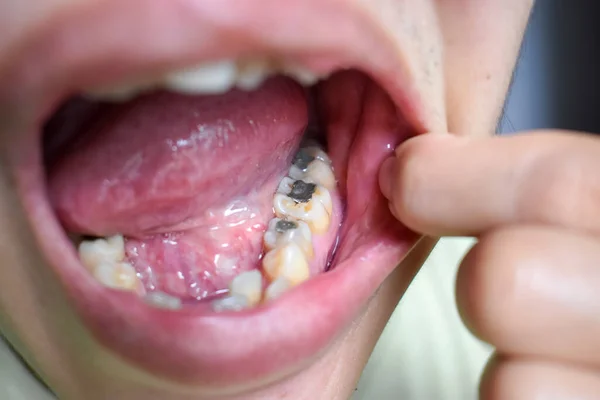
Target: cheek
column 482, row 41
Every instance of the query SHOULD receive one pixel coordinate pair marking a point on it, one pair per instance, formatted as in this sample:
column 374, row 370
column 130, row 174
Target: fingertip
column 386, row 177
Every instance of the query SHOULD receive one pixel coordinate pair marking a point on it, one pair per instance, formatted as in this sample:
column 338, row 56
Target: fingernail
column 386, row 177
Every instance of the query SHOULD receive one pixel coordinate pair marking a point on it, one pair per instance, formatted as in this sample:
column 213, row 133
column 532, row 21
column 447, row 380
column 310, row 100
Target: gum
column 199, row 261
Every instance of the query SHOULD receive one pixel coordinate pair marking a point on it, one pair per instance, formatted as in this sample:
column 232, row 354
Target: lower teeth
column 303, row 207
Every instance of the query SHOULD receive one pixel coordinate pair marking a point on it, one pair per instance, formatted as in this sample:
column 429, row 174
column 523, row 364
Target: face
column 188, row 189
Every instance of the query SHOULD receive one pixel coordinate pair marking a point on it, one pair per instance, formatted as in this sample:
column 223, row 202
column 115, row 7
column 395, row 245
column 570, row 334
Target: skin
column 534, row 194
column 464, row 92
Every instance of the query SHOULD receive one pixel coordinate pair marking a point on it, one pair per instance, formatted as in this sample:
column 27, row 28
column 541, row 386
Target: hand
column 531, row 285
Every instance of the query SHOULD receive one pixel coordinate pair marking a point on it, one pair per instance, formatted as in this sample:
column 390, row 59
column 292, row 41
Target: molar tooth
column 212, row 78
column 320, row 172
column 94, row 252
column 278, row 287
column 163, row 300
column 230, row 303
column 299, row 203
column 249, row 285
column 120, row 275
column 282, row 231
column 288, row 262
column 324, row 197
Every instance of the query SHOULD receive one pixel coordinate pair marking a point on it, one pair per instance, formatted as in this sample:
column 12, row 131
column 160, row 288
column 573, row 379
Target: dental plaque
column 179, row 199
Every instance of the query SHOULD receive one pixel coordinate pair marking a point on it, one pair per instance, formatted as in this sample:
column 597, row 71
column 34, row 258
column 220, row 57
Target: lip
column 211, row 350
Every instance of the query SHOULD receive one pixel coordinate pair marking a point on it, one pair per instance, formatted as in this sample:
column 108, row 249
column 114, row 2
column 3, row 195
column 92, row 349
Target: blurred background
column 555, row 84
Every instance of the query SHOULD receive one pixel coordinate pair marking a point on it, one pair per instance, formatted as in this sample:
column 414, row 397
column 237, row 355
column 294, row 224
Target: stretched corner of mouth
column 220, row 220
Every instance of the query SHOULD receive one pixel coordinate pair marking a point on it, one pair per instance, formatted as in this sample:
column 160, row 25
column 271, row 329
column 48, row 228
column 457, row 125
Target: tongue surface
column 188, row 180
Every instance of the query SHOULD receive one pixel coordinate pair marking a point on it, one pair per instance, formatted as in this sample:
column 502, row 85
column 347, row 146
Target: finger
column 527, row 379
column 534, row 291
column 439, row 184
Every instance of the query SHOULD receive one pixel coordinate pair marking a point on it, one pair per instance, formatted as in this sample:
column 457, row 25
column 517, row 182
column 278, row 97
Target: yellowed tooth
column 117, row 275
column 321, row 173
column 93, row 253
column 249, row 285
column 281, row 231
column 230, row 303
column 313, row 212
column 278, row 287
column 288, row 262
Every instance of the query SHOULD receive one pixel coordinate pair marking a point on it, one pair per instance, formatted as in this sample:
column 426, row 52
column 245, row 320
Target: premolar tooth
column 278, row 287
column 212, row 78
column 249, row 285
column 93, row 253
column 282, row 231
column 288, row 262
column 163, row 300
column 119, row 275
column 230, row 303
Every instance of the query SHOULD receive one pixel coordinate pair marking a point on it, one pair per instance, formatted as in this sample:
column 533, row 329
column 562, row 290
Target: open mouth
column 221, row 223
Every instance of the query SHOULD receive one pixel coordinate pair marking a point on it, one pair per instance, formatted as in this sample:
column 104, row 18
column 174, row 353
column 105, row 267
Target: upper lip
column 110, row 41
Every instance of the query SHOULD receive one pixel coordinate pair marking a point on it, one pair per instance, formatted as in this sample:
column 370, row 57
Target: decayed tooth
column 278, row 287
column 317, row 171
column 288, row 262
column 116, row 275
column 310, row 151
column 281, row 231
column 230, row 303
column 163, row 300
column 94, row 252
column 300, row 204
column 213, row 78
column 249, row 285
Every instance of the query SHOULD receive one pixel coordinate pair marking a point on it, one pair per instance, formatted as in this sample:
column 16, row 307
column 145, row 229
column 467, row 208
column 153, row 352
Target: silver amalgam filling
column 302, row 192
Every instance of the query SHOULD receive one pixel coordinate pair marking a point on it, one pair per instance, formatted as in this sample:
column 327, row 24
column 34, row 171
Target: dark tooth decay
column 301, row 191
column 302, row 159
column 283, row 226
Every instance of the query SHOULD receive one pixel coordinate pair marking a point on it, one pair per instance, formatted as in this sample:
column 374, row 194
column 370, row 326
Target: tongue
column 188, row 180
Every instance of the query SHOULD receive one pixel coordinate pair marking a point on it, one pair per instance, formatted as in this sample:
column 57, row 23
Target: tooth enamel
column 317, row 171
column 249, row 285
column 278, row 235
column 312, row 211
column 288, row 262
column 278, row 287
column 94, row 252
column 251, row 74
column 163, row 300
column 120, row 275
column 211, row 78
column 301, row 74
column 230, row 303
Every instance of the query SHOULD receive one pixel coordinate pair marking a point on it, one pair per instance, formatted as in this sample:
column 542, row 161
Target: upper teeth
column 212, row 78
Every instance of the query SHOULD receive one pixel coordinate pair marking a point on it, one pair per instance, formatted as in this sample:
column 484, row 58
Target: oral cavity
column 200, row 200
column 305, row 216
